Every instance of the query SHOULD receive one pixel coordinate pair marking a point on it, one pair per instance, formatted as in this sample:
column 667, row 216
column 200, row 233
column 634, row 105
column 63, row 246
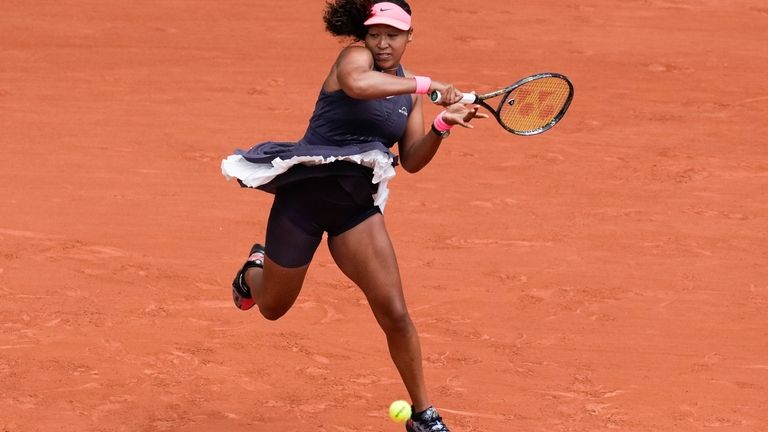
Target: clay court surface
column 609, row 274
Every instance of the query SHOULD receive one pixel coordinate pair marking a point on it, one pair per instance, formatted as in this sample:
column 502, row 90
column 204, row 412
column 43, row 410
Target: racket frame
column 506, row 91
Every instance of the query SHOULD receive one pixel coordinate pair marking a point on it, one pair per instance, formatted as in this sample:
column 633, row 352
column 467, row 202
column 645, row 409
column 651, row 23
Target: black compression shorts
column 302, row 211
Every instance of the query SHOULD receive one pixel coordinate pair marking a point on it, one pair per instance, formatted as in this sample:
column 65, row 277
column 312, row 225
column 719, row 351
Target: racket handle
column 468, row 98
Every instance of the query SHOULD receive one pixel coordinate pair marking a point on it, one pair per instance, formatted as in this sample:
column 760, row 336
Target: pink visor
column 389, row 14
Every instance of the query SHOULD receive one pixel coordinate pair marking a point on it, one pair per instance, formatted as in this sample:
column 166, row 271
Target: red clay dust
column 609, row 274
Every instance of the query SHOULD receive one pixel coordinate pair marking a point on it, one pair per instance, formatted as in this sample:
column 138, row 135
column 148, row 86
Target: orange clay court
column 609, row 274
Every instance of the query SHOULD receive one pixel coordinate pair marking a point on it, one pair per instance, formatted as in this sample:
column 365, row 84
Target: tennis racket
column 528, row 107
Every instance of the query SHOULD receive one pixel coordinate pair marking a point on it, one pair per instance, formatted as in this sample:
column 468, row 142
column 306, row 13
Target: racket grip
column 468, row 98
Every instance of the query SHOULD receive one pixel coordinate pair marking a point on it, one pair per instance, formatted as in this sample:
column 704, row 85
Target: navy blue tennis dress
column 341, row 129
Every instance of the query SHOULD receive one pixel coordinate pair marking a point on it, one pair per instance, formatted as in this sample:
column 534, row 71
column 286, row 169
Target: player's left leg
column 365, row 255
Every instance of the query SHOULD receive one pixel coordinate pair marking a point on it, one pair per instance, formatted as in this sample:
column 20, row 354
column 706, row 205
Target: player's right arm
column 353, row 72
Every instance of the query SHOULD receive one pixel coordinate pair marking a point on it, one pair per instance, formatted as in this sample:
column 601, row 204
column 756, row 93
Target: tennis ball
column 400, row 411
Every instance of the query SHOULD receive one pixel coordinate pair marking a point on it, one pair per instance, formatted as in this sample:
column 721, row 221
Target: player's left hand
column 460, row 114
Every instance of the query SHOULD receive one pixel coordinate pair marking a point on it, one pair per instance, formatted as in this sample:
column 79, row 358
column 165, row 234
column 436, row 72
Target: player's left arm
column 417, row 148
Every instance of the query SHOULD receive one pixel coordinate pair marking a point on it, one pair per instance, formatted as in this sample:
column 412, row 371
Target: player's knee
column 272, row 313
column 396, row 322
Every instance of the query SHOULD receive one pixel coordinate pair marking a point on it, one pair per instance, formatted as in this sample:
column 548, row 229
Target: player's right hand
column 449, row 94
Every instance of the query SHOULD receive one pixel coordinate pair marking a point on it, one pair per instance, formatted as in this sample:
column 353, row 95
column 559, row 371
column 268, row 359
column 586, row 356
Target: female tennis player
column 334, row 180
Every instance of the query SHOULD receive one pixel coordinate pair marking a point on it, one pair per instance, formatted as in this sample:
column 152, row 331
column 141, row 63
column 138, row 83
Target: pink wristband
column 440, row 124
column 422, row 84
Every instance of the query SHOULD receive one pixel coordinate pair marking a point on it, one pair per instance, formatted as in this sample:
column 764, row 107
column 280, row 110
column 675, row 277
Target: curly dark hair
column 345, row 18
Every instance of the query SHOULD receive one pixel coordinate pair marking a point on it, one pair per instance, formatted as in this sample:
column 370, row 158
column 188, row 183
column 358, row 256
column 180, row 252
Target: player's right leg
column 273, row 288
column 272, row 277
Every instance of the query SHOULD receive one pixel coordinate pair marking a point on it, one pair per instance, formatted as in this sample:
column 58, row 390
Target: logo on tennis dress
column 403, row 111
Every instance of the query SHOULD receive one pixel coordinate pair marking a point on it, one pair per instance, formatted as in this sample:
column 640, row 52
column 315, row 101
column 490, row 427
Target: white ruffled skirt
column 258, row 174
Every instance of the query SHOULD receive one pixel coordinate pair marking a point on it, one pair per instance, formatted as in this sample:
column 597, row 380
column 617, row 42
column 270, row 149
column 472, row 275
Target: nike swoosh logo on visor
column 384, row 10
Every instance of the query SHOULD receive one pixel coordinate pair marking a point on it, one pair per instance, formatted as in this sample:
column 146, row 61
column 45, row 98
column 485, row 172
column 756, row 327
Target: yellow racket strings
column 534, row 104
